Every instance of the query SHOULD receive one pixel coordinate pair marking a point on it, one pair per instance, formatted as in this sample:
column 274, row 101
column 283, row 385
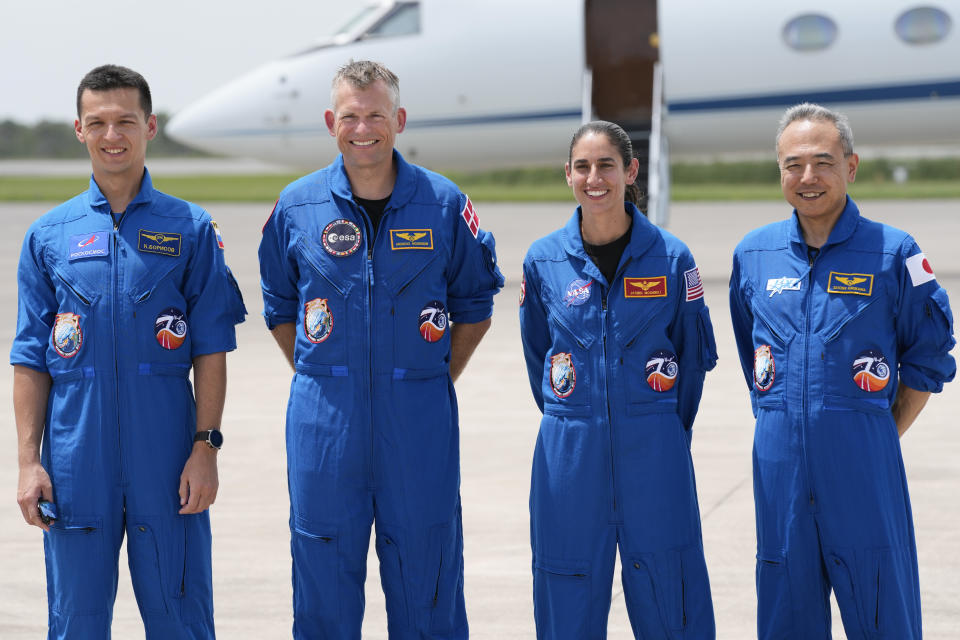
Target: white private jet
column 505, row 83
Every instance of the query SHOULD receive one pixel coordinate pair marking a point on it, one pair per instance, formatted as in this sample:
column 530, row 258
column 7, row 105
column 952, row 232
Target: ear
column 401, row 119
column 152, row 127
column 330, row 119
column 633, row 170
column 853, row 161
column 566, row 170
column 78, row 130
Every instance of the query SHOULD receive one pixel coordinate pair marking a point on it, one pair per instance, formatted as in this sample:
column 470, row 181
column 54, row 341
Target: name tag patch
column 645, row 287
column 89, row 245
column 167, row 244
column 411, row 239
column 860, row 284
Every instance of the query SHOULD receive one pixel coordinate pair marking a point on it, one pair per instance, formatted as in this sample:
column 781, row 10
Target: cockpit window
column 357, row 18
column 810, row 32
column 404, row 20
column 923, row 25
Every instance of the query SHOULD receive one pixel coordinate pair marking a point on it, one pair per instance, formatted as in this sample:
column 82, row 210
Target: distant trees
column 49, row 139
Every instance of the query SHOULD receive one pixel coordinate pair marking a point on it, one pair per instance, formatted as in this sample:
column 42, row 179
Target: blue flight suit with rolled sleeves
column 116, row 316
column 617, row 369
column 372, row 429
column 823, row 348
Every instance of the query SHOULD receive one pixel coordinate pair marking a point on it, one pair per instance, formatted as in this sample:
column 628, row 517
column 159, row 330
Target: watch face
column 216, row 438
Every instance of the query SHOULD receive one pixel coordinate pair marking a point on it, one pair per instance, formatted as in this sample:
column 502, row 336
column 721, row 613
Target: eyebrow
column 828, row 156
column 604, row 159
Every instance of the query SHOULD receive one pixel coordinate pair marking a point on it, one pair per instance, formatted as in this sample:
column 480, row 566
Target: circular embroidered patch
column 871, row 371
column 433, row 321
column 577, row 292
column 170, row 328
column 764, row 368
column 341, row 238
column 662, row 370
column 563, row 375
column 67, row 335
column 317, row 320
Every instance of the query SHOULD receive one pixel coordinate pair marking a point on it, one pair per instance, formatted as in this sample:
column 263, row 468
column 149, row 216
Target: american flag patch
column 469, row 215
column 694, row 285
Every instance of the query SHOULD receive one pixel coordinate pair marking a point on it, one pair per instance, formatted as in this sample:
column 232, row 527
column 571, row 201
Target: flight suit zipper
column 606, row 395
column 804, row 401
column 114, row 320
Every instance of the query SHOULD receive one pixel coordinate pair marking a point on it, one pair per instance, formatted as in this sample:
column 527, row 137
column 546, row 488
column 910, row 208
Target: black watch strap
column 212, row 437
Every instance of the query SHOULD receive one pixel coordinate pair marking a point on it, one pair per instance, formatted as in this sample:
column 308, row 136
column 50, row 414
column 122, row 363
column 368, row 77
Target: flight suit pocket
column 145, row 559
column 316, row 570
column 394, row 584
column 659, row 577
column 72, row 337
column 775, row 602
column 770, row 342
column 161, row 321
column 566, row 382
column 447, row 615
column 323, row 326
column 420, row 315
column 865, row 585
column 561, row 598
column 78, row 573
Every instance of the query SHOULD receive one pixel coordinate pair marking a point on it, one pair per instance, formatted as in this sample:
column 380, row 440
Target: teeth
column 364, row 143
column 596, row 192
column 809, row 195
column 114, row 151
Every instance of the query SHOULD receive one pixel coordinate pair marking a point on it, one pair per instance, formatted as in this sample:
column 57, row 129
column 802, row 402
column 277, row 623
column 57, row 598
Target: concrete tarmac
column 499, row 424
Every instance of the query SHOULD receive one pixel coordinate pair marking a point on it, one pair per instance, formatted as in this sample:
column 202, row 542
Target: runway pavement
column 499, row 425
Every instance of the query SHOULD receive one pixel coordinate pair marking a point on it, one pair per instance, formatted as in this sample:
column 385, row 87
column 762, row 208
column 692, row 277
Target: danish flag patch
column 469, row 215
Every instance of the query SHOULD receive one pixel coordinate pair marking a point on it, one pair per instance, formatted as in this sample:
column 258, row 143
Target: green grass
column 531, row 187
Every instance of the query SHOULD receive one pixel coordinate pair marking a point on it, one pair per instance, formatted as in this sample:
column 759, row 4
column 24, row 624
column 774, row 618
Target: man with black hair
column 122, row 290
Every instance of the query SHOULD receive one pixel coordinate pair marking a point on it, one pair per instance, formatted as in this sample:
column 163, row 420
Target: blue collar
column 642, row 236
column 403, row 189
column 845, row 226
column 145, row 194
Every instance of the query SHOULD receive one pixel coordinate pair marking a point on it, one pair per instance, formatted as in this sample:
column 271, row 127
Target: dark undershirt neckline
column 607, row 256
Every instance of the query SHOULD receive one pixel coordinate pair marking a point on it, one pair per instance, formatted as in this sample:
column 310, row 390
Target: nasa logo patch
column 871, row 371
column 341, row 238
column 170, row 328
column 433, row 321
column 577, row 292
column 563, row 375
column 662, row 370
column 317, row 320
column 764, row 368
column 67, row 335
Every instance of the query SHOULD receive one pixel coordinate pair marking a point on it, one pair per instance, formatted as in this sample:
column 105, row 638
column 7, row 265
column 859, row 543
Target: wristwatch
column 213, row 438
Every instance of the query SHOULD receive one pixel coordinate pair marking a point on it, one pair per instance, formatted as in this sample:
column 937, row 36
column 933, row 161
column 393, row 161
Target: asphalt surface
column 499, row 425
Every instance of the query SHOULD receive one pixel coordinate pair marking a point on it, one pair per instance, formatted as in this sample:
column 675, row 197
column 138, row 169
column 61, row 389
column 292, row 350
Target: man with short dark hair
column 843, row 333
column 122, row 290
column 378, row 284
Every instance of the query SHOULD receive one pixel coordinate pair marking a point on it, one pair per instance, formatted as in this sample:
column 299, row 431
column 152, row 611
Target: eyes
column 603, row 165
column 796, row 167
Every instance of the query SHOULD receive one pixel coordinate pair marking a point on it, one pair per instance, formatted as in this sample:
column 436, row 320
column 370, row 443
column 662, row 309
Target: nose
column 111, row 133
column 594, row 176
column 809, row 175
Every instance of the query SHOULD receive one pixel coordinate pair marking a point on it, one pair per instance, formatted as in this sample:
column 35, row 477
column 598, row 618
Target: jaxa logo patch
column 563, row 375
column 871, row 371
column 341, row 238
column 860, row 284
column 88, row 245
column 433, row 321
column 170, row 328
column 317, row 320
column 578, row 292
column 411, row 239
column 166, row 244
column 785, row 283
column 764, row 368
column 67, row 336
column 662, row 370
column 645, row 287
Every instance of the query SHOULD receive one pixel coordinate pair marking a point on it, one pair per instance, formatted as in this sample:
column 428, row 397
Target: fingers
column 184, row 489
column 200, row 498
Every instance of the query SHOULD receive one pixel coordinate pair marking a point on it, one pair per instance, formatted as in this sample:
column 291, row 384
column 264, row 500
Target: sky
column 183, row 48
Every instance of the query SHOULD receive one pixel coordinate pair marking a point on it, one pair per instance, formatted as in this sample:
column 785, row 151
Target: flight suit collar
column 403, row 189
column 99, row 201
column 845, row 226
column 642, row 235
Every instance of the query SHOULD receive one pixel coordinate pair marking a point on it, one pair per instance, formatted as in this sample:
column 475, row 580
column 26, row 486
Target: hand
column 33, row 484
column 198, row 482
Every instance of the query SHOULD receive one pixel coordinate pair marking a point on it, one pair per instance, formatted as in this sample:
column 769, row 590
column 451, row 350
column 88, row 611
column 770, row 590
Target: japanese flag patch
column 469, row 215
column 920, row 270
column 694, row 284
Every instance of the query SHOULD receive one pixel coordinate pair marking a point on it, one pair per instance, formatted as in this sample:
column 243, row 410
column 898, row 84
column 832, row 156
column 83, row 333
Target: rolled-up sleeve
column 278, row 273
column 474, row 277
column 36, row 307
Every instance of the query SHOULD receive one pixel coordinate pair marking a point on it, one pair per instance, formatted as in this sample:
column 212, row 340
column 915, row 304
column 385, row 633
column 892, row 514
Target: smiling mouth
column 363, row 143
column 597, row 193
column 114, row 151
column 810, row 195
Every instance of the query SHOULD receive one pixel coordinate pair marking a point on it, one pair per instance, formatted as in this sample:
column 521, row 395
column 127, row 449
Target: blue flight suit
column 372, row 430
column 823, row 348
column 617, row 369
column 116, row 317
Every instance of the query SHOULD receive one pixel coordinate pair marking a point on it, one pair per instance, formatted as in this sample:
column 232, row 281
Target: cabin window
column 361, row 16
column 404, row 20
column 810, row 32
column 923, row 25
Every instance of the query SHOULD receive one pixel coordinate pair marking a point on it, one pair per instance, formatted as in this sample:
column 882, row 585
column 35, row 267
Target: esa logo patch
column 764, row 368
column 167, row 244
column 577, row 292
column 317, row 320
column 433, row 321
column 662, row 370
column 88, row 245
column 170, row 328
column 645, row 287
column 411, row 239
column 860, row 284
column 341, row 238
column 871, row 371
column 563, row 375
column 67, row 335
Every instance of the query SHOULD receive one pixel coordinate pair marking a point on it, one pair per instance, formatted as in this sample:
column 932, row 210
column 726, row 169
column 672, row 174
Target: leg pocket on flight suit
column 561, row 598
column 866, row 593
column 316, row 571
column 78, row 576
column 392, row 580
column 447, row 603
column 655, row 578
column 149, row 572
column 774, row 598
